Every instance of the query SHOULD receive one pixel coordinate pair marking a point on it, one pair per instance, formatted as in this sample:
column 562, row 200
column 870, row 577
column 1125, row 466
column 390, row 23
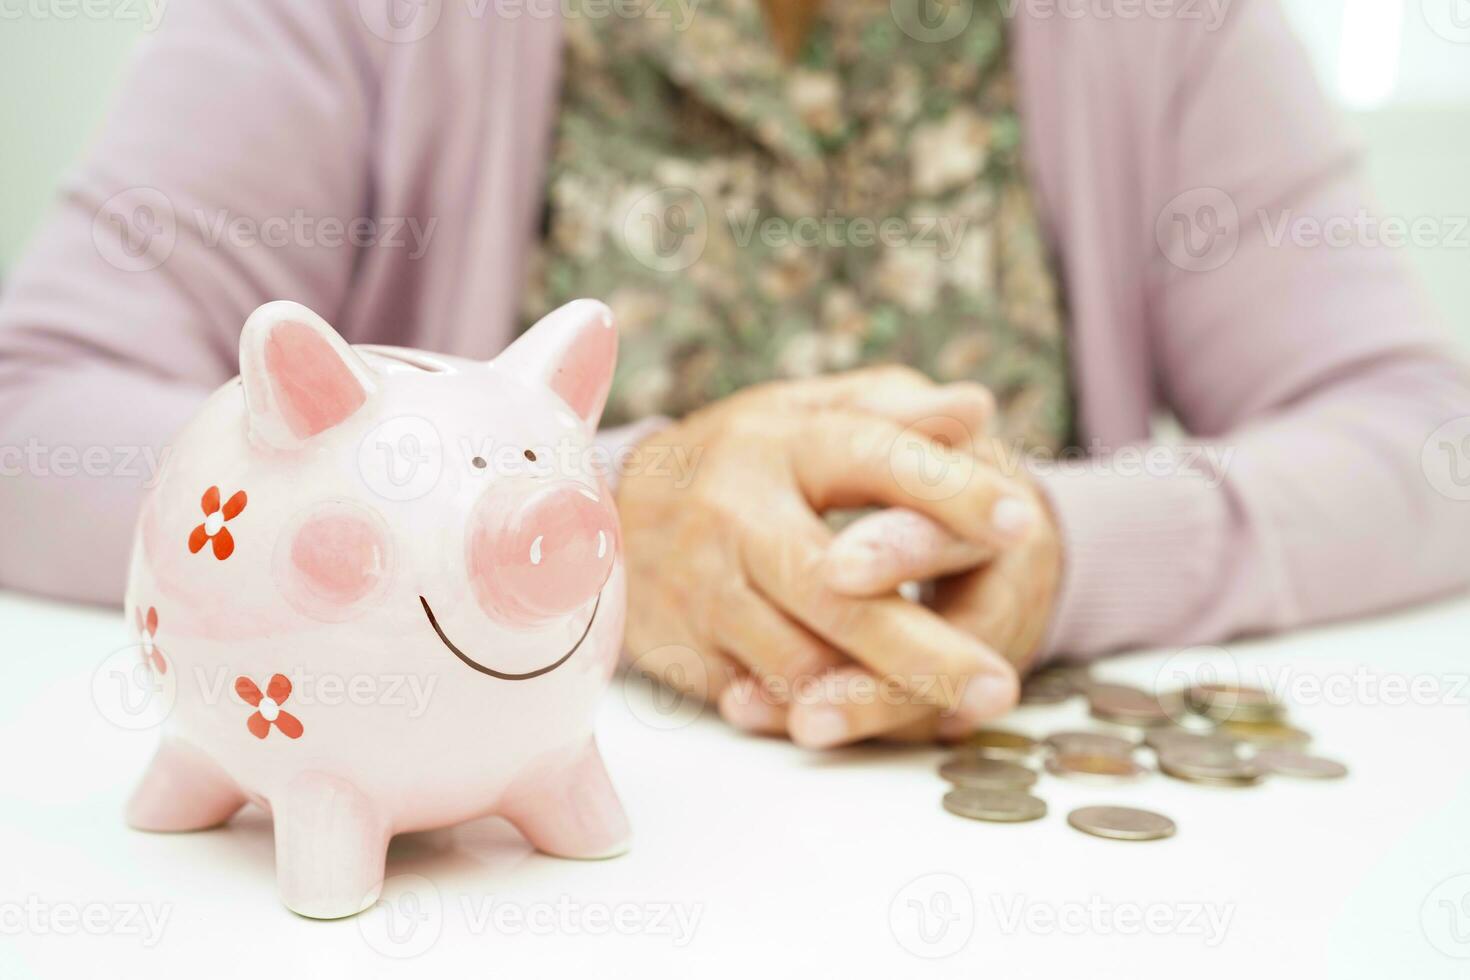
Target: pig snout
column 536, row 556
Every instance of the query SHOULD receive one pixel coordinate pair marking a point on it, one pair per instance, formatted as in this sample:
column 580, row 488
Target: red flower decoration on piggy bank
column 147, row 631
column 267, row 707
column 213, row 529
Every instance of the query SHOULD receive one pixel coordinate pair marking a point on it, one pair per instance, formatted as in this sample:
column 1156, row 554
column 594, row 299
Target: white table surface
column 755, row 858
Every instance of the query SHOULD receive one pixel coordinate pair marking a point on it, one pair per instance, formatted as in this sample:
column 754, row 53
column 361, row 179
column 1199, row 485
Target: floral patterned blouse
column 750, row 219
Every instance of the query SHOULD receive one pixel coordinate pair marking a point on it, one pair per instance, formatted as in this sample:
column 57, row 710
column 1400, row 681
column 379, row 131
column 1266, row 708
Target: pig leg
column 571, row 811
column 182, row 790
column 331, row 845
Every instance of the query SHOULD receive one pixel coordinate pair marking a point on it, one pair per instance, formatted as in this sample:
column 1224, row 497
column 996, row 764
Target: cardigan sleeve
column 1325, row 470
column 127, row 308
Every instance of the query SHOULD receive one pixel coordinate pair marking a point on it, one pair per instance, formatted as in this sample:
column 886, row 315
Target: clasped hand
column 740, row 594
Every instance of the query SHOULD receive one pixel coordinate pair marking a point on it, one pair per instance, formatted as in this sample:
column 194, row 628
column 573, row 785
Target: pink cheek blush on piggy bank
column 390, row 591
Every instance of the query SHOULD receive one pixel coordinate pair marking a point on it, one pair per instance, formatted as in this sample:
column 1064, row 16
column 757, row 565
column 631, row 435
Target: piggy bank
column 384, row 589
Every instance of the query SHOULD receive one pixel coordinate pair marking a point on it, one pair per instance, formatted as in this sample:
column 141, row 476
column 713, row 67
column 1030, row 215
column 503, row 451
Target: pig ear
column 572, row 351
column 300, row 377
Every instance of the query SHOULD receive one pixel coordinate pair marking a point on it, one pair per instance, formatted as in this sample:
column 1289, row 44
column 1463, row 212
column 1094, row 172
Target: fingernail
column 986, row 696
column 818, row 727
column 742, row 706
column 1012, row 515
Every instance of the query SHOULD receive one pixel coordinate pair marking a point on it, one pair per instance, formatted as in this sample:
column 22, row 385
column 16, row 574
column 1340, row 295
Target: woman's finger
column 854, row 705
column 1004, row 602
column 847, row 460
column 877, row 553
column 937, row 663
column 747, row 705
column 957, row 414
column 920, row 732
column 763, row 639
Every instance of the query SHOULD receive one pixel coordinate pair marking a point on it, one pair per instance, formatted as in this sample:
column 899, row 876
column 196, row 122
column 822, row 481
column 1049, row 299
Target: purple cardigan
column 1312, row 377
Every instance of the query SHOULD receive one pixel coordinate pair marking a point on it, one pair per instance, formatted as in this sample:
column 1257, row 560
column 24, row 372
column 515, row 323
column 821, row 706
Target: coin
column 1088, row 743
column 1203, row 752
column 972, row 771
column 1099, row 765
column 1121, row 823
column 1233, row 702
column 1060, row 682
column 1078, row 675
column 1171, row 703
column 1299, row 765
column 1047, row 687
column 1123, row 705
column 1209, row 764
column 1266, row 733
column 1160, row 738
column 995, row 743
column 994, row 805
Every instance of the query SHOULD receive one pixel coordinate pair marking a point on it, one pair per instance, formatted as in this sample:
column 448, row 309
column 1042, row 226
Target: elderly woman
column 1062, row 222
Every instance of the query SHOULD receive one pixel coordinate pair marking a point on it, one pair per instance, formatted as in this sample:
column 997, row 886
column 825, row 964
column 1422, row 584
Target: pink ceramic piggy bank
column 389, row 589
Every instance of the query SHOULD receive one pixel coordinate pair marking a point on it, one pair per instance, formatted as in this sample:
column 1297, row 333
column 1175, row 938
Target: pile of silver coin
column 1212, row 734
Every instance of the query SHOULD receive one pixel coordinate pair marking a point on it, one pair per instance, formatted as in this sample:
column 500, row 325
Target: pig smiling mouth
column 501, row 675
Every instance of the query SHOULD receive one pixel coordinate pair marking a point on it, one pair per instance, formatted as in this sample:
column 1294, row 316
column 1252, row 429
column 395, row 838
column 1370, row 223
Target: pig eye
column 478, row 462
column 530, row 455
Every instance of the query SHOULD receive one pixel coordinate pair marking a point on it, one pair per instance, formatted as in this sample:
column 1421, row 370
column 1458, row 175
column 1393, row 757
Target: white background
column 789, row 863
